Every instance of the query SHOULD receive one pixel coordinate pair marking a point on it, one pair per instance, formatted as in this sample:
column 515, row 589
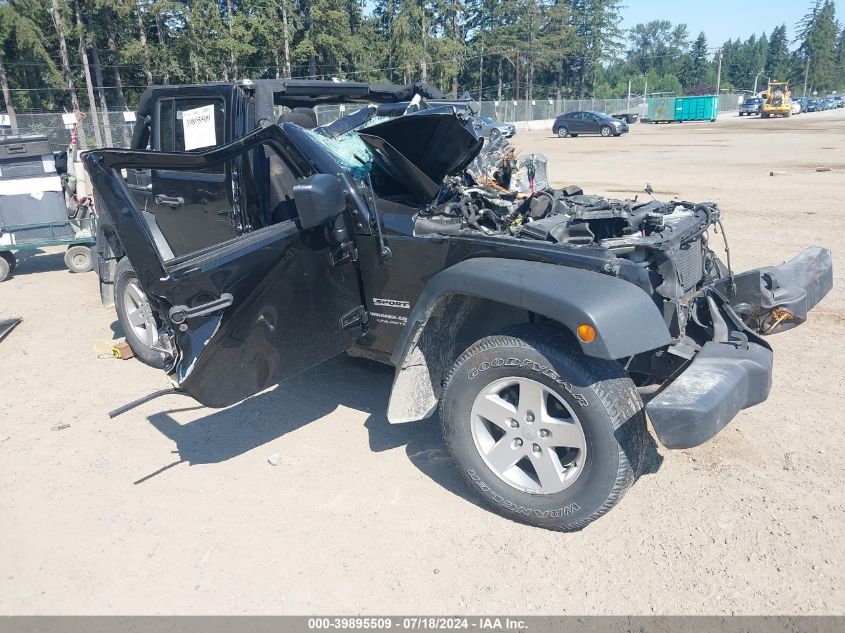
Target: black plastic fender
column 626, row 319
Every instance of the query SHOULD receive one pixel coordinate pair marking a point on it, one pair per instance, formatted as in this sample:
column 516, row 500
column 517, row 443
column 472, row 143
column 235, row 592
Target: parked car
column 750, row 107
column 812, row 105
column 530, row 326
column 796, row 106
column 586, row 122
column 484, row 126
column 840, row 101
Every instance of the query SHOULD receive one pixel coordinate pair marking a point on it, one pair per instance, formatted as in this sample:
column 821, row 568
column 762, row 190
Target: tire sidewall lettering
column 540, row 368
column 556, row 513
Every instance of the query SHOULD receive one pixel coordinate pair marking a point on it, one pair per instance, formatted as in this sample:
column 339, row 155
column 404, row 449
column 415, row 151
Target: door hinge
column 179, row 314
column 357, row 316
column 344, row 253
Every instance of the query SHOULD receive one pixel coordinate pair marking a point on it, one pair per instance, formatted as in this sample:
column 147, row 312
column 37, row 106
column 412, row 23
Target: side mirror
column 319, row 198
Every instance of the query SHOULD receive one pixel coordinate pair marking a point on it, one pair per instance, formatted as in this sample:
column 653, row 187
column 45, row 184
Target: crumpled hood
column 438, row 141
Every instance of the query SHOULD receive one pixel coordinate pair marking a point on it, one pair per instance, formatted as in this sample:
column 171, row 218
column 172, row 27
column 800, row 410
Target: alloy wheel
column 139, row 313
column 528, row 435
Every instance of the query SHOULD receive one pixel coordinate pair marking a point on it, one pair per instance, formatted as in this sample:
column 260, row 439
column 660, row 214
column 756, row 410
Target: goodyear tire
column 135, row 316
column 545, row 435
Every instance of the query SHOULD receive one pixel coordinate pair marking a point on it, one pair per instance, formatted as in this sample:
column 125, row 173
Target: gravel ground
column 174, row 508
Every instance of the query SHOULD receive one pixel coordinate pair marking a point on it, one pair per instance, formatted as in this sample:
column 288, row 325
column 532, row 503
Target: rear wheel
column 562, row 132
column 545, row 435
column 136, row 316
column 78, row 259
column 606, row 131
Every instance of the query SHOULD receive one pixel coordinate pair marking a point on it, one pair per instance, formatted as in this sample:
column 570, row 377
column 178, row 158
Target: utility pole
column 628, row 106
column 718, row 71
column 806, row 74
column 480, row 76
column 517, row 75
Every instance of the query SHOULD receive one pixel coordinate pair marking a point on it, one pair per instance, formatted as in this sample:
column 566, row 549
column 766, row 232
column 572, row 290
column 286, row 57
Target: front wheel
column 136, row 316
column 545, row 435
column 562, row 132
column 606, row 131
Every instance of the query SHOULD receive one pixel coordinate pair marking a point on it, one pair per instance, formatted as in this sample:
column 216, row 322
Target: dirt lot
column 174, row 508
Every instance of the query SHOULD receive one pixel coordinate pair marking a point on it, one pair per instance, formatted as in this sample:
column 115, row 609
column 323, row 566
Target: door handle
column 181, row 313
column 171, row 201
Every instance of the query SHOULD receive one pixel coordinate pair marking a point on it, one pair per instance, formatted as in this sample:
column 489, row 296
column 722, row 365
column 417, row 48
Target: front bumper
column 721, row 381
column 730, row 375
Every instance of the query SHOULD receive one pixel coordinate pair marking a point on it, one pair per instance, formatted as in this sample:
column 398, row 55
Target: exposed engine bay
column 644, row 232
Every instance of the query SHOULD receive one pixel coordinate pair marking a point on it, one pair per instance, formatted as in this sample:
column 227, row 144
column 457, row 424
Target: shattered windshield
column 344, row 144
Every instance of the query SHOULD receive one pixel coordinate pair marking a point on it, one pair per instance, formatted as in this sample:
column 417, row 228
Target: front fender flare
column 626, row 319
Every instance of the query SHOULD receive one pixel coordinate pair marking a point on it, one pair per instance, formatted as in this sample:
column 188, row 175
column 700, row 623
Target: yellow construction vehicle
column 778, row 100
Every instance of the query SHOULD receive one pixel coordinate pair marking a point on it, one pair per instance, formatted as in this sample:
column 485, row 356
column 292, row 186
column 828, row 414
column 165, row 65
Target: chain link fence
column 121, row 124
column 118, row 133
column 510, row 111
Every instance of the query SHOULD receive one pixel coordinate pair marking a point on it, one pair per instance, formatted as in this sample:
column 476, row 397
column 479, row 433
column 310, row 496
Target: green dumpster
column 661, row 109
column 670, row 109
column 704, row 108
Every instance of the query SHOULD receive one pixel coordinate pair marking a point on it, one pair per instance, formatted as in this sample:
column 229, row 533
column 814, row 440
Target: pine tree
column 597, row 36
column 817, row 34
column 777, row 57
column 696, row 64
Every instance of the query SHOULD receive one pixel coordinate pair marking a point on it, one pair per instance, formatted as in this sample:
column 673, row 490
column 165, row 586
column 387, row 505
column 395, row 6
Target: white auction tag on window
column 198, row 126
column 5, row 120
column 129, row 117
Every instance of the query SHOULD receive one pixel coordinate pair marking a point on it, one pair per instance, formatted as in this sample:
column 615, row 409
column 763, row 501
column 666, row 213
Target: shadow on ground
column 36, row 261
column 343, row 381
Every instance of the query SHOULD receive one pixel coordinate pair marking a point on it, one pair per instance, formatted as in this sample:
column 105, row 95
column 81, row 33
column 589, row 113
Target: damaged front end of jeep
column 717, row 363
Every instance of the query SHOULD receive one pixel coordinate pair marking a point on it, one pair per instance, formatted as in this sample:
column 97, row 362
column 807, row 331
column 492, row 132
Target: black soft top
column 297, row 93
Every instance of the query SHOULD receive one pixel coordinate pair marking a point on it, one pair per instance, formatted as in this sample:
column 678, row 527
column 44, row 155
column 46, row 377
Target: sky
column 723, row 20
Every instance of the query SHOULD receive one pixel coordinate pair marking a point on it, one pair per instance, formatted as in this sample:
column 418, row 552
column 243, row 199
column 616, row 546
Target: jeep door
column 179, row 198
column 251, row 298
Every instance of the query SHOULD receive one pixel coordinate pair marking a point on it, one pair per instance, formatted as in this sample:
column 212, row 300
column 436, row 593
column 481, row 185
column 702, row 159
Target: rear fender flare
column 625, row 317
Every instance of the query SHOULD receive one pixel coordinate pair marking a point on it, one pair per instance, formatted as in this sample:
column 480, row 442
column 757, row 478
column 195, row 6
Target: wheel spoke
column 547, row 469
column 532, row 397
column 493, row 408
column 503, row 455
column 149, row 334
column 136, row 317
column 564, row 433
column 136, row 294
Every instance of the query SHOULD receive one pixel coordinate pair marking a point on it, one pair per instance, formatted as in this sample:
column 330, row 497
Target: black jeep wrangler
column 242, row 249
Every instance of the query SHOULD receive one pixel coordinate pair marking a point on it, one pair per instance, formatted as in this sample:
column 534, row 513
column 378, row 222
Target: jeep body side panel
column 626, row 319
